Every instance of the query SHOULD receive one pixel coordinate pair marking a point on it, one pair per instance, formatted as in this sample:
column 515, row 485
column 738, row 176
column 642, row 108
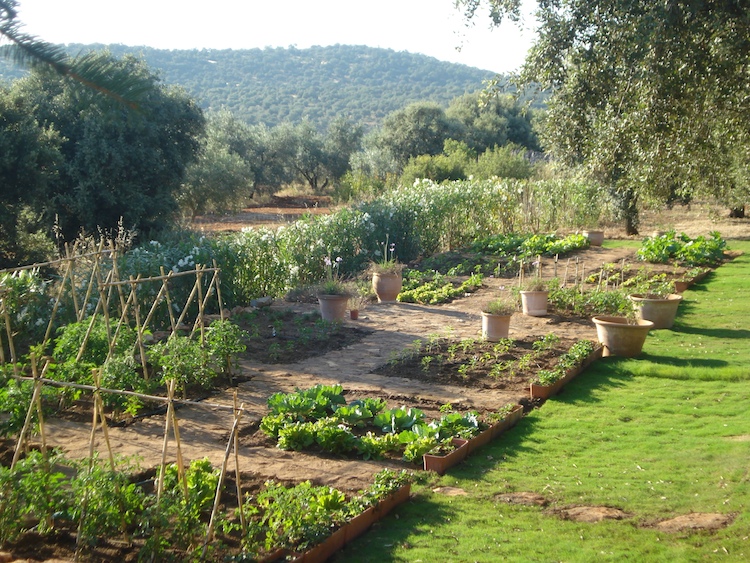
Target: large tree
column 651, row 97
column 29, row 158
column 118, row 163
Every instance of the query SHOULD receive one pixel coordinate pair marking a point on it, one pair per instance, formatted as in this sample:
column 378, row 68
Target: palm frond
column 89, row 70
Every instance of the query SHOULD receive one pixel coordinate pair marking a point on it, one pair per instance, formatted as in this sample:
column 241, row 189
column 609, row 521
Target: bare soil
column 382, row 331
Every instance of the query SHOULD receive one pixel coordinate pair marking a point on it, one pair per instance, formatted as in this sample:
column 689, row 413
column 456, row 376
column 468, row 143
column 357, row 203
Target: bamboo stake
column 56, row 306
column 155, row 398
column 218, row 290
column 209, row 292
column 565, row 278
column 554, row 270
column 27, row 421
column 2, row 347
column 86, row 336
column 220, row 484
column 139, row 328
column 38, row 265
column 237, row 475
column 167, row 420
column 181, row 475
column 38, row 404
column 11, row 346
column 162, row 277
column 73, row 282
column 169, row 300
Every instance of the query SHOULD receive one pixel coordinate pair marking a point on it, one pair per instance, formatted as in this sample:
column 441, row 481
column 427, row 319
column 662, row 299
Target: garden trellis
column 99, row 294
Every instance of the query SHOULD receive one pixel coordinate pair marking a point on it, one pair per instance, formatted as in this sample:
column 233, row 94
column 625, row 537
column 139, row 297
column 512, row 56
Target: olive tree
column 650, row 97
column 118, row 164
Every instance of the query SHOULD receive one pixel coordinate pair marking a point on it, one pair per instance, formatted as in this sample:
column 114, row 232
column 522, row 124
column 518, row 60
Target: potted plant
column 596, row 238
column 333, row 293
column 621, row 336
column 356, row 304
column 387, row 278
column 534, row 294
column 656, row 302
column 496, row 316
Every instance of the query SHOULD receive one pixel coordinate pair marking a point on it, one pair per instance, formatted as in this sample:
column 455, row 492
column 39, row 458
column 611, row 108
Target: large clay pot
column 387, row 286
column 333, row 307
column 621, row 338
column 495, row 327
column 534, row 303
column 659, row 310
column 596, row 238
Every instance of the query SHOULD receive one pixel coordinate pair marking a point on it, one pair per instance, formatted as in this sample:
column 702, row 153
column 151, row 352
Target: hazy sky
column 431, row 27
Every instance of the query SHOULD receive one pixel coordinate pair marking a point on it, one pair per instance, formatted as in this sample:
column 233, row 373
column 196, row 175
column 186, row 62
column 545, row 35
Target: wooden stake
column 220, row 484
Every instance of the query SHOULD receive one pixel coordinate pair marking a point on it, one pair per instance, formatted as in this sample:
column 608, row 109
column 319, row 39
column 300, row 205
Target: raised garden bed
column 284, row 336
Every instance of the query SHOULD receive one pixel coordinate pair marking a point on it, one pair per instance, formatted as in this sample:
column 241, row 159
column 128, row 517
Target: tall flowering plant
column 387, row 263
column 332, row 283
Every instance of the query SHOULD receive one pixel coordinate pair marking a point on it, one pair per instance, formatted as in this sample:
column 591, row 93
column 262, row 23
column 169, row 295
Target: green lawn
column 660, row 436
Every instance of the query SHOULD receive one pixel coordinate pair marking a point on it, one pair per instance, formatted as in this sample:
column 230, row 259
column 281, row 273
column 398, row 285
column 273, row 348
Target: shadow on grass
column 729, row 333
column 413, row 518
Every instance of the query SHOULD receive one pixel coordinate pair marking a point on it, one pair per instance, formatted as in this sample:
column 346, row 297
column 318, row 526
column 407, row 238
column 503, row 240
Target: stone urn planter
column 534, row 303
column 619, row 337
column 333, row 307
column 659, row 310
column 386, row 286
column 495, row 327
column 596, row 238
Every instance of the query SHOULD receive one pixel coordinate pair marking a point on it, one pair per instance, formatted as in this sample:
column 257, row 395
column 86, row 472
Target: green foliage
column 146, row 151
column 397, row 419
column 29, row 154
column 502, row 162
column 431, row 288
column 573, row 358
column 71, row 337
column 334, row 438
column 670, row 246
column 109, row 502
column 34, row 490
column 641, row 93
column 224, row 340
column 183, row 360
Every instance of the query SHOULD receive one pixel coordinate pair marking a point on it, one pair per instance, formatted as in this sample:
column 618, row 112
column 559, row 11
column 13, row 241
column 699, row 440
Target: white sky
column 430, row 27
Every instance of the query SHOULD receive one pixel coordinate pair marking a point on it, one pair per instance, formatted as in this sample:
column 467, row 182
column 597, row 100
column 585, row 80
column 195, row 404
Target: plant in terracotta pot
column 356, row 304
column 496, row 316
column 534, row 292
column 387, row 278
column 656, row 301
column 333, row 293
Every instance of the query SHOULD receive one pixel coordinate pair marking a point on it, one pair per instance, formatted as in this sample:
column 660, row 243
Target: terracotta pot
column 441, row 463
column 596, row 238
column 546, row 391
column 496, row 429
column 387, row 286
column 333, row 307
column 681, row 285
column 354, row 314
column 660, row 311
column 534, row 303
column 495, row 327
column 621, row 338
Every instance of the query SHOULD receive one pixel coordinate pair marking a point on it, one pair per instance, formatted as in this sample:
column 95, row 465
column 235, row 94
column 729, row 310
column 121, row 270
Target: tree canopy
column 115, row 163
column 651, row 97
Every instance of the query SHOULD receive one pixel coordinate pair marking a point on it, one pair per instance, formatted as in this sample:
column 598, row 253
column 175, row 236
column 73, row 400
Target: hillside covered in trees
column 274, row 85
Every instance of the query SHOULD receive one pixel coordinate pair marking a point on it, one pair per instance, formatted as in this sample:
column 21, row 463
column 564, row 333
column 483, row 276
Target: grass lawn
column 657, row 437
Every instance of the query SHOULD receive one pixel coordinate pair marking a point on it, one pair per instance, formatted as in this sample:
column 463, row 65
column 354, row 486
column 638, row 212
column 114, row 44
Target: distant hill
column 273, row 85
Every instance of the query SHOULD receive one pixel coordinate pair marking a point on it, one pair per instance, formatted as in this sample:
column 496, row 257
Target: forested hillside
column 273, row 85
